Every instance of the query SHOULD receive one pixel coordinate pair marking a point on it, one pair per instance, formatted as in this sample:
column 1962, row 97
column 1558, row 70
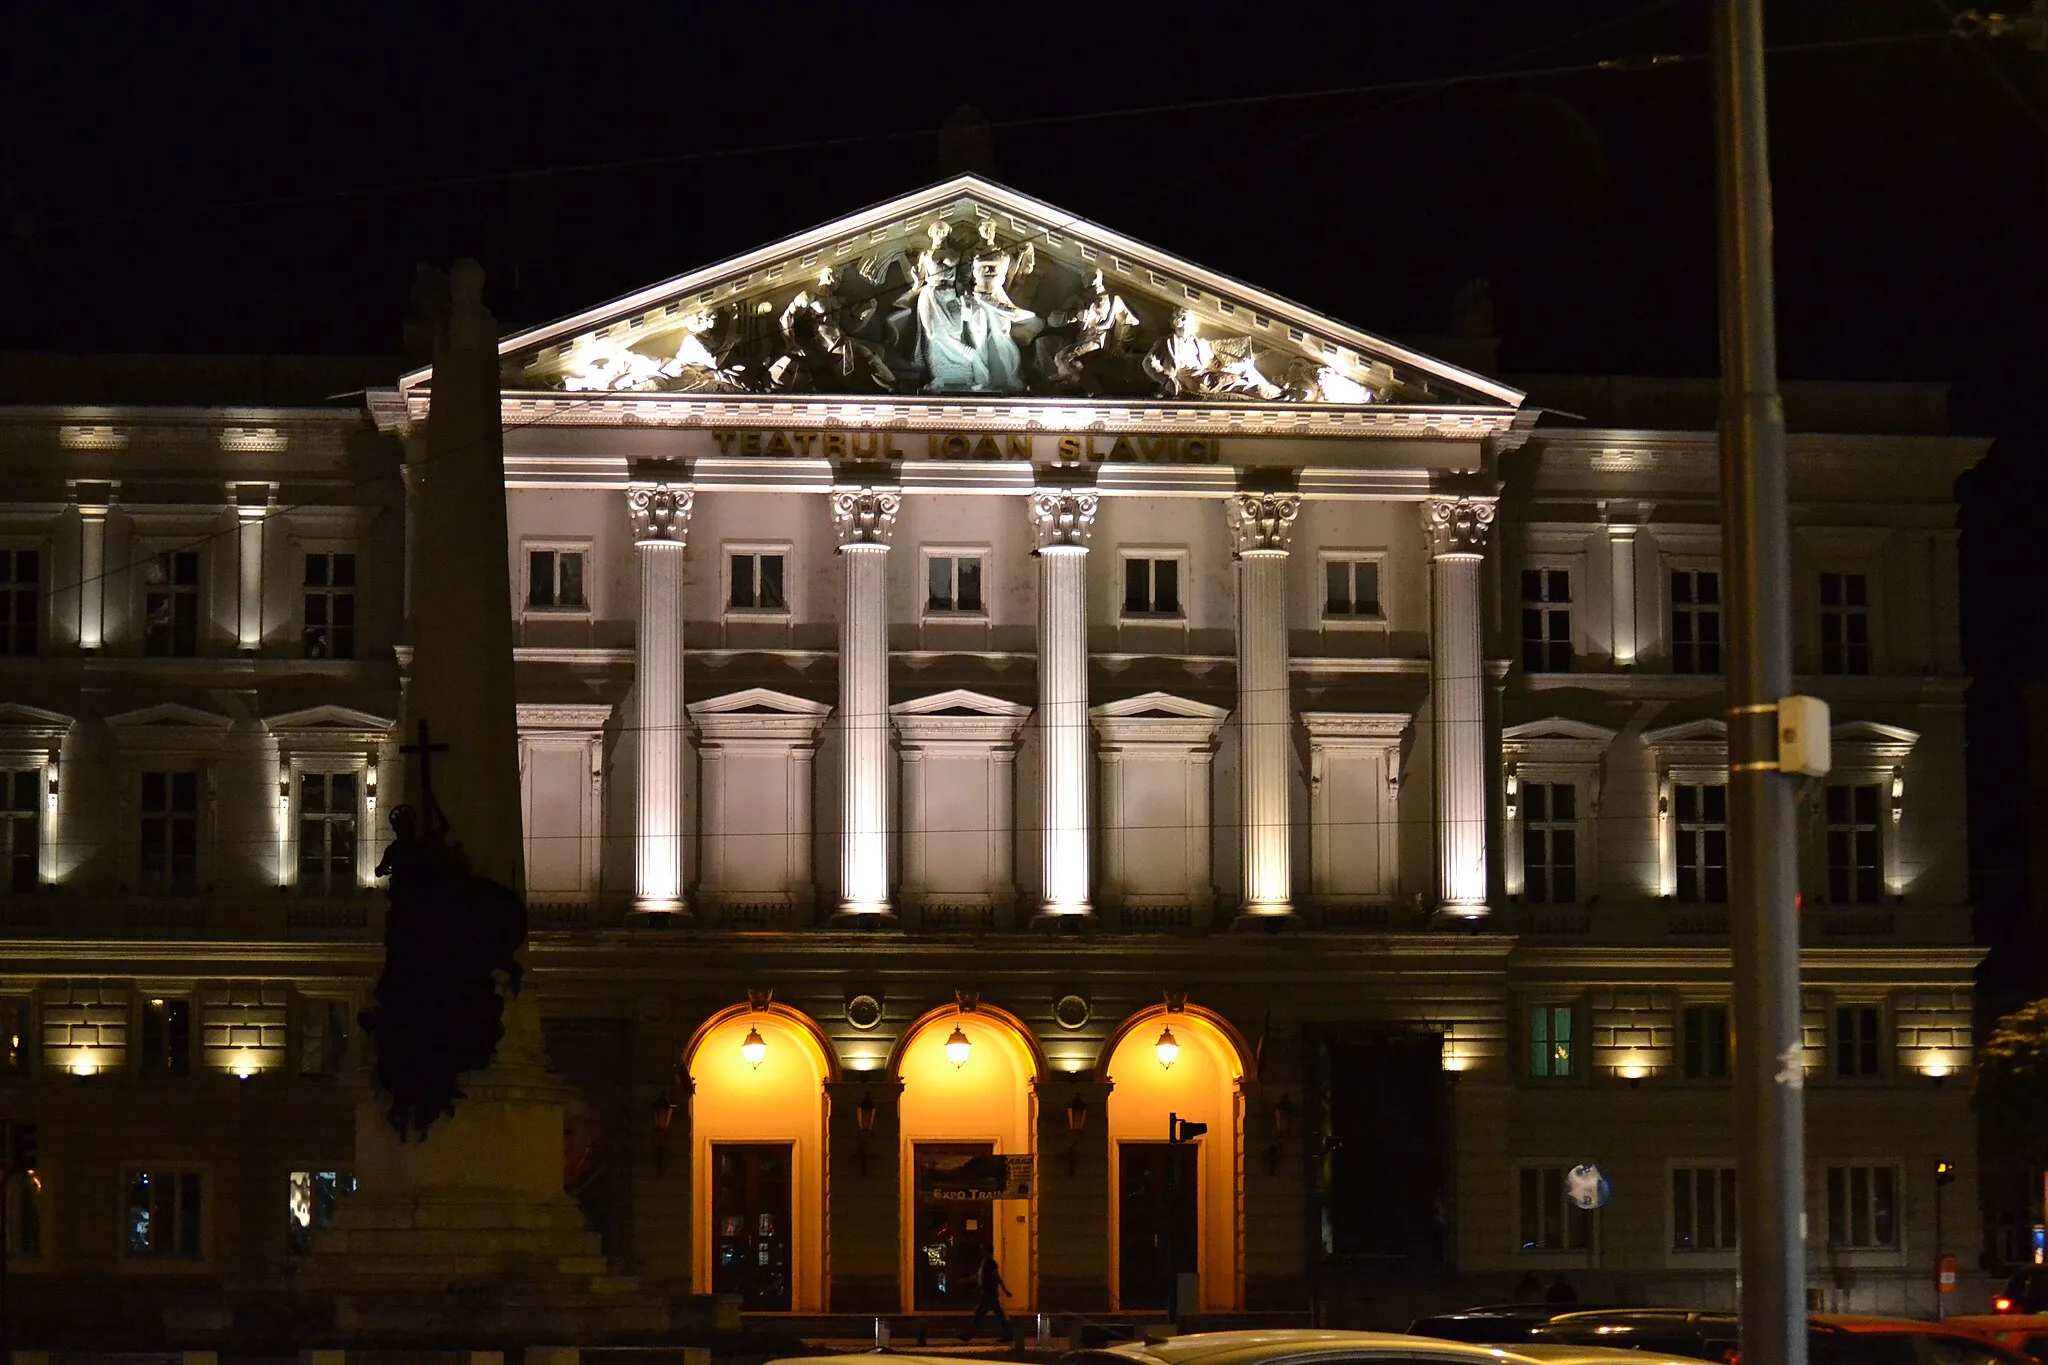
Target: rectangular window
column 1546, row 621
column 1695, row 621
column 953, row 584
column 1705, row 1030
column 323, row 1036
column 329, row 623
column 1844, row 623
column 1351, row 589
column 162, row 1221
column 15, row 1033
column 1863, row 1208
column 327, row 833
column 1151, row 586
column 1553, row 1053
column 170, row 833
column 21, row 588
column 1547, row 1220
column 312, row 1197
column 1854, row 868
column 757, row 583
column 170, row 607
column 1700, row 822
column 1859, row 1041
column 1703, row 1208
column 21, row 828
column 554, row 580
column 166, row 1045
column 1550, row 828
column 24, row 1216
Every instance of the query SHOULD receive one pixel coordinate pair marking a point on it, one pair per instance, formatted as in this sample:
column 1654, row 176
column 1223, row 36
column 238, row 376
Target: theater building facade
column 988, row 687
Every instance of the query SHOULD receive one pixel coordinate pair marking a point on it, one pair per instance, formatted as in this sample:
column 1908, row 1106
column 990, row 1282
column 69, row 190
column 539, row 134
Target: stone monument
column 459, row 1232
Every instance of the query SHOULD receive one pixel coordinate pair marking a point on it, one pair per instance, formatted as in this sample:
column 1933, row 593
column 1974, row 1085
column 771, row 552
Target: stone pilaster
column 1260, row 527
column 1073, row 1217
column 660, row 511
column 863, row 519
column 1062, row 520
column 1458, row 530
column 95, row 501
column 866, row 1183
column 253, row 503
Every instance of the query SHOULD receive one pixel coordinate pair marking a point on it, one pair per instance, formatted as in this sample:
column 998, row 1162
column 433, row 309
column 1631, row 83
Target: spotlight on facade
column 1168, row 1048
column 244, row 1066
column 958, row 1048
column 1937, row 1067
column 82, row 1064
column 754, row 1048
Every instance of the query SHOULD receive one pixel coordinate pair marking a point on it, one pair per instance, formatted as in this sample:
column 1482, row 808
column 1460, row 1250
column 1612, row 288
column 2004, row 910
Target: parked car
column 1667, row 1331
column 2025, row 1293
column 1490, row 1323
column 1848, row 1339
column 2026, row 1333
column 1346, row 1348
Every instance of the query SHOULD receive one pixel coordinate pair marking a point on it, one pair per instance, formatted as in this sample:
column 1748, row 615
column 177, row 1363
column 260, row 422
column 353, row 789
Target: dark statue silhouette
column 449, row 935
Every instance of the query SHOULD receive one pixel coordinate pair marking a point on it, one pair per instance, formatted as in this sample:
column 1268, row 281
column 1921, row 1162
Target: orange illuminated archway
column 760, row 1111
column 1203, row 1084
column 957, row 1105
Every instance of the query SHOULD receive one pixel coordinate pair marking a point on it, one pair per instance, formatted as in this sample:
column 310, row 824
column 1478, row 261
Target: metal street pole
column 1762, row 867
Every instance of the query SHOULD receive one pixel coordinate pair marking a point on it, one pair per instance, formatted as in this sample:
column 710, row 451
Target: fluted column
column 661, row 523
column 1260, row 526
column 1457, row 530
column 1062, row 521
column 863, row 519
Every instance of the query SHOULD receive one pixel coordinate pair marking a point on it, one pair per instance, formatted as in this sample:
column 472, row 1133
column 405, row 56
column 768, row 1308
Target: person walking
column 993, row 1292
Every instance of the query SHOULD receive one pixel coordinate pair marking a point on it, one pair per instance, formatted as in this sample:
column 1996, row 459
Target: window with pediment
column 1691, row 762
column 31, row 749
column 170, row 755
column 1553, row 774
column 1854, row 818
column 328, row 764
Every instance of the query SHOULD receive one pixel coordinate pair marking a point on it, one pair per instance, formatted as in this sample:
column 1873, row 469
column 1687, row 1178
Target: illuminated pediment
column 968, row 289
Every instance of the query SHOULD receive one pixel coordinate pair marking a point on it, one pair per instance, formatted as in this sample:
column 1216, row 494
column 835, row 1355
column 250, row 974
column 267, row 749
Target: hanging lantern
column 957, row 1047
column 754, row 1048
column 1167, row 1047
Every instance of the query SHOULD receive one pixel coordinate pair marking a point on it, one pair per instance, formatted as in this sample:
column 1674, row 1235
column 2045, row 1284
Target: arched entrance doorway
column 1175, row 1209
column 968, row 1102
column 757, row 1141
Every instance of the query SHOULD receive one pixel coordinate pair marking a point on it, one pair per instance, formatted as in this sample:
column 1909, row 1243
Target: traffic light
column 1179, row 1129
column 21, row 1147
column 1944, row 1172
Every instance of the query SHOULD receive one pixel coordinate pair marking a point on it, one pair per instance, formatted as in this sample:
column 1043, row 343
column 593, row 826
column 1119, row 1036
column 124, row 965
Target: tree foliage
column 2011, row 1092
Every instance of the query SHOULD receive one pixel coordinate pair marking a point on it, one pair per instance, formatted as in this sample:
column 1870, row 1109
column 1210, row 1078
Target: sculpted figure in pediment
column 603, row 366
column 822, row 353
column 1102, row 326
column 956, row 319
column 1187, row 364
column 1308, row 382
column 693, row 368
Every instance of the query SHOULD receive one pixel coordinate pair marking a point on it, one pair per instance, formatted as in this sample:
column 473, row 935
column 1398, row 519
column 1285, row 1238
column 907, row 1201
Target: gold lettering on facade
column 962, row 445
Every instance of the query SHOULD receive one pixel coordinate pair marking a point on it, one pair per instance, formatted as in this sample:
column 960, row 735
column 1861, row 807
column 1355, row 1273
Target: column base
column 1064, row 919
column 1267, row 917
column 851, row 919
column 658, row 914
column 1465, row 914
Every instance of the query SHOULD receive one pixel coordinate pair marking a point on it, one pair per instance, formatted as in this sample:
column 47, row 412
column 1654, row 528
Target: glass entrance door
column 1156, row 1227
column 954, row 1227
column 750, row 1248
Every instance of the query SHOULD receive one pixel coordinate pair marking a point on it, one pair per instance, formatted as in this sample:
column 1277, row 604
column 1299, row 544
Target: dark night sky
column 247, row 177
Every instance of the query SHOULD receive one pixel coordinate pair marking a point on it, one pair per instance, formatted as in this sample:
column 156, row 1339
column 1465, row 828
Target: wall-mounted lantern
column 1077, row 1121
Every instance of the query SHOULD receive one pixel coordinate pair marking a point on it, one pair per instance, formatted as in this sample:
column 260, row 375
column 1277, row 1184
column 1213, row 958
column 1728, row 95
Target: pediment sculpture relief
column 965, row 311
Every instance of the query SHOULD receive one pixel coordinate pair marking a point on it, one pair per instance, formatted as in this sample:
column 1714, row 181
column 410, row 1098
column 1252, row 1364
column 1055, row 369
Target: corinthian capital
column 660, row 512
column 1457, row 526
column 865, row 516
column 1261, row 521
column 1062, row 517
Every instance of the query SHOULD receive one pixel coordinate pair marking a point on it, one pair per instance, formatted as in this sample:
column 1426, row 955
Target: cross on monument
column 436, row 823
